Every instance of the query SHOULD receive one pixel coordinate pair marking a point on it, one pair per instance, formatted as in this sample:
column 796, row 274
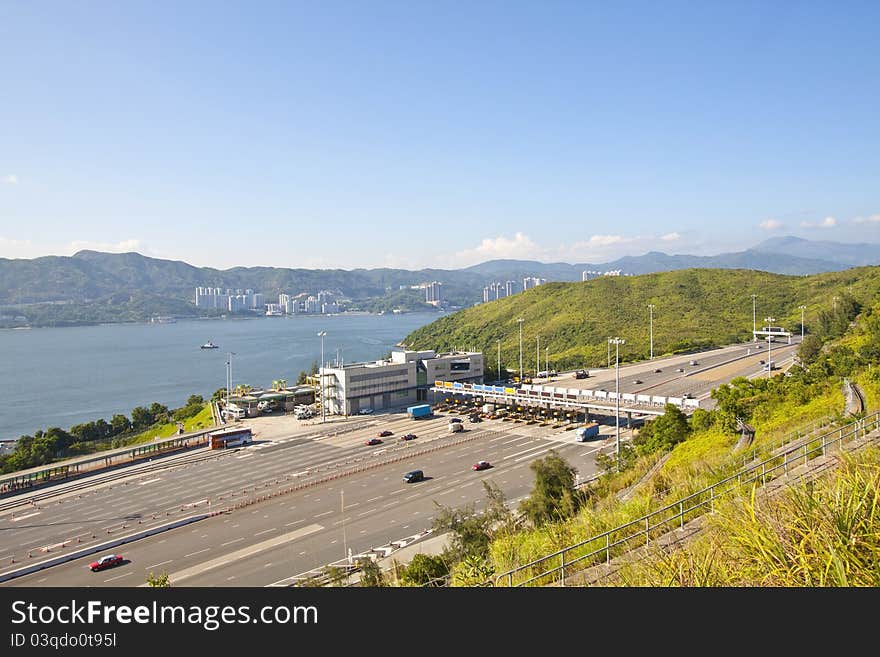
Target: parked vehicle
column 581, row 374
column 365, row 411
column 233, row 413
column 455, row 427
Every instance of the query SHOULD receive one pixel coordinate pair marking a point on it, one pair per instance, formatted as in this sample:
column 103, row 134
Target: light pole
column 617, row 342
column 499, row 360
column 537, row 355
column 229, row 377
column 651, row 310
column 321, row 376
column 834, row 304
column 520, row 320
column 609, row 353
column 342, row 511
column 547, row 359
column 803, row 308
column 769, row 321
column 754, row 318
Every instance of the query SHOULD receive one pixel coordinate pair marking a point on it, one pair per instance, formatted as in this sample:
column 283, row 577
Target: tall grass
column 814, row 534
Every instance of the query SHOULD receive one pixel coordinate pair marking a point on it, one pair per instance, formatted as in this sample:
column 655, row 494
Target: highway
column 278, row 503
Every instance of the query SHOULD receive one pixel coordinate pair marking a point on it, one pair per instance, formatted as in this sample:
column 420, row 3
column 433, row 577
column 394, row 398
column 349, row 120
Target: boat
column 209, row 345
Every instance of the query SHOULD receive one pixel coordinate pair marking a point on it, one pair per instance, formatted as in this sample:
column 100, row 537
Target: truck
column 422, row 410
column 587, row 431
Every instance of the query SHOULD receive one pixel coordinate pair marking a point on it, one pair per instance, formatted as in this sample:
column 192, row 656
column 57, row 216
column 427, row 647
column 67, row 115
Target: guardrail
column 619, row 539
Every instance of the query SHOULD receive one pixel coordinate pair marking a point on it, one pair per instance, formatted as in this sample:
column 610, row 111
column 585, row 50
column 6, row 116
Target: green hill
column 694, row 308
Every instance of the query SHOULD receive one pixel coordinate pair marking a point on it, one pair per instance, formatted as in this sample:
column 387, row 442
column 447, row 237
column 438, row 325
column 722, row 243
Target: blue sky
column 434, row 134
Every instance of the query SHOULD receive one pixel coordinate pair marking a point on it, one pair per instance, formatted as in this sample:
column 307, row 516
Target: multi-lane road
column 306, row 493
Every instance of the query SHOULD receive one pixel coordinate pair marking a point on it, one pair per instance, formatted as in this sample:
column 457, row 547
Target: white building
column 433, row 292
column 530, row 281
column 402, row 380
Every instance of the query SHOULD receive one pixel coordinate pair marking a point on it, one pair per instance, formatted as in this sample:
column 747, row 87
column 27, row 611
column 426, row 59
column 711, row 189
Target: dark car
column 481, row 465
column 383, row 434
column 408, row 436
column 374, row 441
column 455, row 419
column 475, row 418
column 680, row 369
column 637, row 381
column 413, row 476
column 107, row 561
column 657, row 371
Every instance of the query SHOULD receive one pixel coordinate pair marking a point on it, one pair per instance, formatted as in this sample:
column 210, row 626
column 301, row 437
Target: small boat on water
column 209, row 345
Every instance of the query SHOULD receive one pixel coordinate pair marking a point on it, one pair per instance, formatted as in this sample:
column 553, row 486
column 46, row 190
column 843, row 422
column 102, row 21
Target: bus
column 226, row 438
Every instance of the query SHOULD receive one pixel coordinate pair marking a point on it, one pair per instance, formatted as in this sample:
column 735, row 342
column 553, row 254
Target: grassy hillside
column 693, row 308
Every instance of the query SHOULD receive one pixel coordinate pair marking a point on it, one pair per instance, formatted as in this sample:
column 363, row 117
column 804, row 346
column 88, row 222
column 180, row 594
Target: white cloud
column 11, row 179
column 771, row 224
column 119, row 247
column 827, row 222
column 520, row 247
column 671, row 237
column 873, row 219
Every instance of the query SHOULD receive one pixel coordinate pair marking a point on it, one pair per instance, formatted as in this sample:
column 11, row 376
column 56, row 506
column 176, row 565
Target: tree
column 159, row 581
column 810, row 348
column 141, row 418
column 663, row 433
column 371, row 574
column 195, row 400
column 553, row 495
column 119, row 424
column 425, row 570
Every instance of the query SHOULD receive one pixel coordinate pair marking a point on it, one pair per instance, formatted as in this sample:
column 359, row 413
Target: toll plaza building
column 399, row 381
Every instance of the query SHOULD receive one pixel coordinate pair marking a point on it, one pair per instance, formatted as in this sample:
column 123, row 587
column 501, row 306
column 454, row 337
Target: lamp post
column 651, row 310
column 803, row 308
column 754, row 318
column 499, row 360
column 547, row 359
column 769, row 321
column 520, row 320
column 617, row 342
column 609, row 353
column 229, row 377
column 321, row 376
column 537, row 355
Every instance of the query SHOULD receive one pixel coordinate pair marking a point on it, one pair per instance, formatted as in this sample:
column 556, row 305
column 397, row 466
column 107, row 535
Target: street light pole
column 537, row 355
column 609, row 353
column 228, row 378
column 754, row 318
column 499, row 360
column 651, row 309
column 520, row 320
column 617, row 342
column 803, row 308
column 769, row 321
column 547, row 359
column 321, row 376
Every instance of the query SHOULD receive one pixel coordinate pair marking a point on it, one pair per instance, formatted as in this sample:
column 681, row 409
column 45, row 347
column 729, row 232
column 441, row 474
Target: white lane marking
column 352, row 505
column 295, row 522
column 149, row 481
column 325, row 513
column 373, row 499
column 29, row 515
column 266, row 531
column 367, row 512
column 161, row 563
column 119, row 577
column 531, row 456
column 399, row 490
column 243, row 553
column 235, row 540
column 192, row 554
column 525, row 451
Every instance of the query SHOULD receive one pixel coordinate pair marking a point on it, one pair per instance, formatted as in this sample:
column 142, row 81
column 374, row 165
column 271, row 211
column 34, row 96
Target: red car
column 382, row 434
column 374, row 441
column 481, row 465
column 409, row 436
column 107, row 561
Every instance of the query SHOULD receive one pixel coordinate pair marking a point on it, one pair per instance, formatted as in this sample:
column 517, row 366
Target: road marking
column 266, row 531
column 192, row 554
column 531, row 449
column 161, row 563
column 118, row 577
column 351, row 506
column 399, row 490
column 295, row 522
column 28, row 515
column 373, row 499
column 367, row 512
column 235, row 540
column 243, row 553
column 326, row 513
column 531, row 456
column 149, row 481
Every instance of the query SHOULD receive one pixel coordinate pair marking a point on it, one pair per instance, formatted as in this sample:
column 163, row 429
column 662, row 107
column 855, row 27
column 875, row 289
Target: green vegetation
column 146, row 424
column 817, row 533
column 158, row 581
column 694, row 309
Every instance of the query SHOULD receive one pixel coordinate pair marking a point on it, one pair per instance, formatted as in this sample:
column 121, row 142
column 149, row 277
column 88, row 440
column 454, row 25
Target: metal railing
column 601, row 547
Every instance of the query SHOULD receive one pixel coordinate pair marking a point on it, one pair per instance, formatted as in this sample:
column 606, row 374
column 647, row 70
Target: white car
column 365, row 411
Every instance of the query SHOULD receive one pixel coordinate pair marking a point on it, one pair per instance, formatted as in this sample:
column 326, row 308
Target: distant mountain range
column 93, row 286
